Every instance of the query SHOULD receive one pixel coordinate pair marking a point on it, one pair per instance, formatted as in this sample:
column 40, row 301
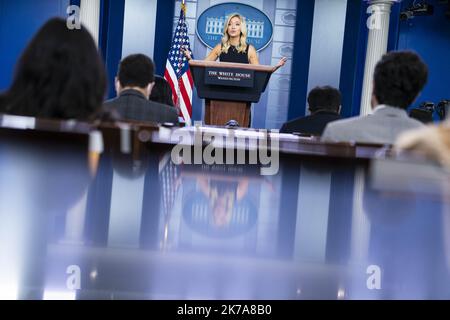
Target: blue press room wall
column 19, row 20
column 430, row 37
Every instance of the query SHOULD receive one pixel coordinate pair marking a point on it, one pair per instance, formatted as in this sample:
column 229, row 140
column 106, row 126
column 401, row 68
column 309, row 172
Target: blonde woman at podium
column 234, row 47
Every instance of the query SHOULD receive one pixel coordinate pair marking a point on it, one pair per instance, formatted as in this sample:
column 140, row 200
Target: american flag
column 177, row 71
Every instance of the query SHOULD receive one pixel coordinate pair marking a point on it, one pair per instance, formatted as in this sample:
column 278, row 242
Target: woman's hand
column 281, row 63
column 186, row 53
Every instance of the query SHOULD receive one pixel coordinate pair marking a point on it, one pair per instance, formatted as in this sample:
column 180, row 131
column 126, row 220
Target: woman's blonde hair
column 242, row 47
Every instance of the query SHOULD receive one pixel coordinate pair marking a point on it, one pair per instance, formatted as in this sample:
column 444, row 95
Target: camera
column 420, row 9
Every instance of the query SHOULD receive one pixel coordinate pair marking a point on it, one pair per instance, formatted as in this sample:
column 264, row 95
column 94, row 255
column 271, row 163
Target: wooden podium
column 229, row 89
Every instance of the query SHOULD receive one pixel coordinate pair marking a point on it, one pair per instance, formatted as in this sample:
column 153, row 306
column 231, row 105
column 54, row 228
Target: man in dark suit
column 134, row 84
column 324, row 105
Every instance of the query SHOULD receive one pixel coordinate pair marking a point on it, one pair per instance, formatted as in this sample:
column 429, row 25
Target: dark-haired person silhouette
column 60, row 75
column 324, row 104
column 162, row 93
